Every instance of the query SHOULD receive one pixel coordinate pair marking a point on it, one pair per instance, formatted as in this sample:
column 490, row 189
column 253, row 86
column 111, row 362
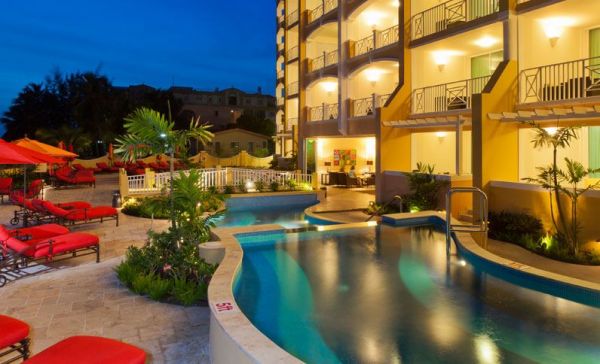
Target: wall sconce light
column 441, row 135
column 372, row 18
column 441, row 59
column 555, row 27
column 329, row 87
column 373, row 75
column 551, row 131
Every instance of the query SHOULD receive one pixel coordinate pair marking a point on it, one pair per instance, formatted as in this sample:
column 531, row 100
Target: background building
column 230, row 142
column 222, row 108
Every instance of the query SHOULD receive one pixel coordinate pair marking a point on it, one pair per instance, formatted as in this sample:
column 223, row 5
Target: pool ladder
column 479, row 225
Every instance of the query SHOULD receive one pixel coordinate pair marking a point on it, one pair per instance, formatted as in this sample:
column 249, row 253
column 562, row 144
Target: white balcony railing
column 325, row 7
column 280, row 74
column 447, row 97
column 292, row 89
column 217, row 178
column 292, row 18
column 378, row 39
column 292, row 54
column 561, row 81
column 366, row 106
column 323, row 112
column 280, row 101
column 325, row 60
column 449, row 14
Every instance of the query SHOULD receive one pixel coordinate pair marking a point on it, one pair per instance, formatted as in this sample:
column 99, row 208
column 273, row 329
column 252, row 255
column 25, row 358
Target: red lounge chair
column 89, row 350
column 18, row 254
column 14, row 341
column 68, row 176
column 141, row 164
column 155, row 167
column 33, row 190
column 35, row 233
column 81, row 216
column 164, row 165
column 106, row 168
column 80, row 167
column 5, row 187
column 119, row 164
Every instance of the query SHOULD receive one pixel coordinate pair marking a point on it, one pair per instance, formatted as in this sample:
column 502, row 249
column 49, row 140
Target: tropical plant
column 424, row 188
column 150, row 132
column 560, row 183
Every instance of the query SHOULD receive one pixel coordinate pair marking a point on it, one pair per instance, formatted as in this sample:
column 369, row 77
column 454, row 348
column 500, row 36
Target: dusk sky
column 199, row 43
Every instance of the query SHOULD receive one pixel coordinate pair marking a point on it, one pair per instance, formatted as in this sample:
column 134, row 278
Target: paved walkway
column 345, row 204
column 87, row 298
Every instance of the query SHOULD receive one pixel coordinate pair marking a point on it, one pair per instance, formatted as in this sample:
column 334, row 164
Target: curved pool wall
column 238, row 338
column 256, row 201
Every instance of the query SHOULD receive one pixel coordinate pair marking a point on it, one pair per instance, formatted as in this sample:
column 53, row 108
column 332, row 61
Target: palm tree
column 69, row 135
column 150, row 132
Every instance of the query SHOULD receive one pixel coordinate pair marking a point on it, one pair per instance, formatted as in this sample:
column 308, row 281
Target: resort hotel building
column 382, row 85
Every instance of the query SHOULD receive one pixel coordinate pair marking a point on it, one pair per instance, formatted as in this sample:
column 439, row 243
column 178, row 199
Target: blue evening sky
column 199, row 43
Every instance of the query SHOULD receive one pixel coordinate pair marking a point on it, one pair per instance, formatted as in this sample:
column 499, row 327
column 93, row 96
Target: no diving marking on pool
column 224, row 307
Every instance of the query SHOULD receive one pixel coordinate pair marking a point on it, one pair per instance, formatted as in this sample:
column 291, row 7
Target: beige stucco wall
column 244, row 139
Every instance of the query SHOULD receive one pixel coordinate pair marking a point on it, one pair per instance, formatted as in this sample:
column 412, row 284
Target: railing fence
column 449, row 96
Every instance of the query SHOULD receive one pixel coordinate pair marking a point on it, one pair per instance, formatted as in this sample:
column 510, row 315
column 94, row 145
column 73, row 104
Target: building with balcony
column 339, row 63
column 475, row 76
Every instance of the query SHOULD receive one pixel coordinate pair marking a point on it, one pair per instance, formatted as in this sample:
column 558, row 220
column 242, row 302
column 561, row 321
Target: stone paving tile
column 79, row 296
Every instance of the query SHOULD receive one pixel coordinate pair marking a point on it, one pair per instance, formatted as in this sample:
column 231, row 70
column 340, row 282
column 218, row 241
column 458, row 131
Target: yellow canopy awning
column 44, row 148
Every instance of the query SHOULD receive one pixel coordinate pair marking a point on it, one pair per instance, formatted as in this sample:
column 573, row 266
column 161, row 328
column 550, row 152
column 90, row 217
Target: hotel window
column 235, row 145
column 486, row 64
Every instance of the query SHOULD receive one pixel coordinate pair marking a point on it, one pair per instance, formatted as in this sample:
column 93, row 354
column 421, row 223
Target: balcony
column 280, row 101
column 326, row 60
column 323, row 112
column 281, row 21
column 447, row 97
column 366, row 106
column 379, row 39
column 292, row 54
column 292, row 19
column 566, row 81
column 280, row 75
column 286, row 130
column 449, row 15
column 292, row 89
column 318, row 12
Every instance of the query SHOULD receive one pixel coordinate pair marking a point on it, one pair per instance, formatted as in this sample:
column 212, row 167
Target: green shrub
column 141, row 283
column 517, row 228
column 188, row 292
column 260, row 185
column 126, row 273
column 424, row 189
column 159, row 288
column 228, row 190
column 274, row 186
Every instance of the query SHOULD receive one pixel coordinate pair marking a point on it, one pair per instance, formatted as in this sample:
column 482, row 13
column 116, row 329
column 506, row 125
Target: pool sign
column 225, row 306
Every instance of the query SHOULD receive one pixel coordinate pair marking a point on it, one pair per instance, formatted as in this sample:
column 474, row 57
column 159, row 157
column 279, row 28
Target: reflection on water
column 389, row 295
column 289, row 218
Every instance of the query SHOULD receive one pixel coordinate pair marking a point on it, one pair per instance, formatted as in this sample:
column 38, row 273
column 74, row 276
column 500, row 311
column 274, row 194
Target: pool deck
column 343, row 205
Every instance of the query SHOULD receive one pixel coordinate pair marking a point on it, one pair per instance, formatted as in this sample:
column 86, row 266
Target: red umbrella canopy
column 9, row 150
column 8, row 155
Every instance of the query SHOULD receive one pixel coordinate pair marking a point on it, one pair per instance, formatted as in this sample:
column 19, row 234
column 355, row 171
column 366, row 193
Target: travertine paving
column 87, row 298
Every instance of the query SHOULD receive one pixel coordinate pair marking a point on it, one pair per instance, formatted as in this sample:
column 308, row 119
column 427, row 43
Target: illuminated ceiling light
column 373, row 75
column 486, row 41
column 555, row 27
column 441, row 135
column 329, row 86
column 372, row 18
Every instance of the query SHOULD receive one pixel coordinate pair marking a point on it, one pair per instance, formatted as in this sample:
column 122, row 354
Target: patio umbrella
column 23, row 156
column 43, row 148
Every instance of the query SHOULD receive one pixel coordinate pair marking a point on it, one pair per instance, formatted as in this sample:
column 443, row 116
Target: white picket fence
column 219, row 178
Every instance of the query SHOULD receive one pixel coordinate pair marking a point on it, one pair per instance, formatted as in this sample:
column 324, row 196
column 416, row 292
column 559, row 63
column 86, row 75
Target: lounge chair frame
column 21, row 348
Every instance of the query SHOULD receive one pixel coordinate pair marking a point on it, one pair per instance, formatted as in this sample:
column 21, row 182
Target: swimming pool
column 388, row 295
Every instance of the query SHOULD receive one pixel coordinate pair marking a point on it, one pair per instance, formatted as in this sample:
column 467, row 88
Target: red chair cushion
column 40, row 232
column 101, row 211
column 74, row 205
column 12, row 331
column 54, row 210
column 90, row 350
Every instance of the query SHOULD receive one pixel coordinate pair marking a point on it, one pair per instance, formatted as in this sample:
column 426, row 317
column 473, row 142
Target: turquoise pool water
column 288, row 217
column 389, row 295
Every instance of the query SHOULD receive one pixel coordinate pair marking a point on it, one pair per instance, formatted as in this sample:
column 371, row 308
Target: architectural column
column 459, row 145
column 342, row 70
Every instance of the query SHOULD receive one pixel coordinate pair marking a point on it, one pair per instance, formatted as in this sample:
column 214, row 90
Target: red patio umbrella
column 13, row 154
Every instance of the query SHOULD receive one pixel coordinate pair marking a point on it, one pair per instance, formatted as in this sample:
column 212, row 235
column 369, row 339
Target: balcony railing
column 292, row 18
column 367, row 105
column 378, row 39
column 281, row 20
column 327, row 59
column 280, row 101
column 292, row 89
column 292, row 54
column 280, row 74
column 449, row 14
column 323, row 112
column 325, row 7
column 446, row 97
column 560, row 82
